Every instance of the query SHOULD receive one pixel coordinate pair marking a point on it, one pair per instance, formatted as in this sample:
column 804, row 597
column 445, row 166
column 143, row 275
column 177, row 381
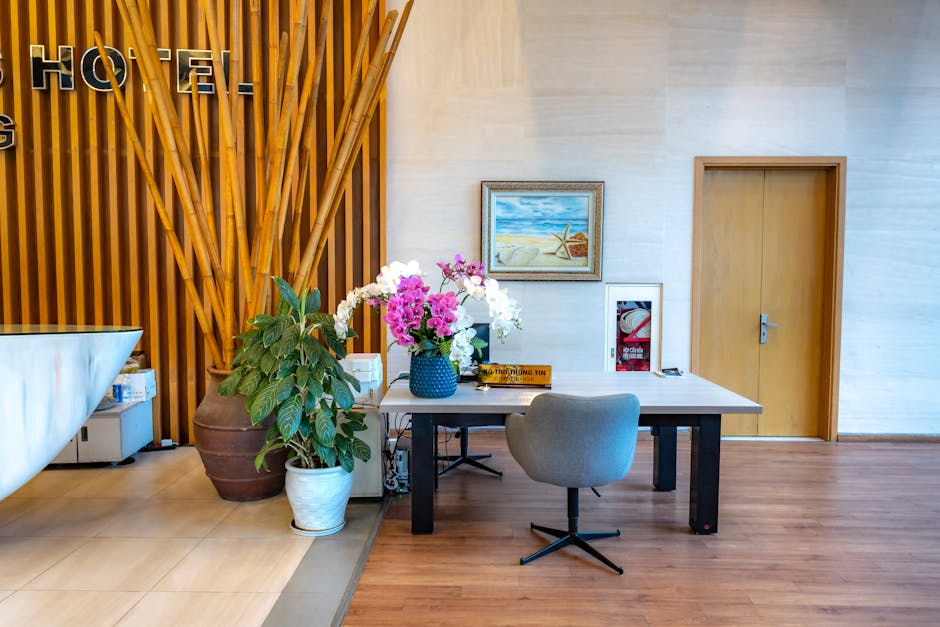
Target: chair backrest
column 575, row 441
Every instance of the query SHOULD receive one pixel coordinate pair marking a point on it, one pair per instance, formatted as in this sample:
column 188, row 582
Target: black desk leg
column 703, row 484
column 422, row 473
column 664, row 458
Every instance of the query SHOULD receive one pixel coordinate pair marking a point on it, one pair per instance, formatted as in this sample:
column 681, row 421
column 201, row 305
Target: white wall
column 628, row 92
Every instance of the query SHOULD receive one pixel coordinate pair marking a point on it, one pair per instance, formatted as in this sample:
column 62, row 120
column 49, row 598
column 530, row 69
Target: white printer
column 367, row 367
column 369, row 477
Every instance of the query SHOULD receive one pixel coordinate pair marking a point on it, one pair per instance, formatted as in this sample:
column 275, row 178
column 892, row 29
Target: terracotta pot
column 228, row 443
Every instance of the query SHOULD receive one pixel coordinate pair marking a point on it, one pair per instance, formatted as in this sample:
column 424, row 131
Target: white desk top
column 687, row 394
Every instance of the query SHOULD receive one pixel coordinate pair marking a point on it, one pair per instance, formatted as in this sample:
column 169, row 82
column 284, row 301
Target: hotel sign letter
column 61, row 66
column 7, row 134
column 99, row 80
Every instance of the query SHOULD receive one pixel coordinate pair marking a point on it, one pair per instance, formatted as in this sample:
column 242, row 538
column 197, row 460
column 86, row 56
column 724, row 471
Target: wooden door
column 763, row 250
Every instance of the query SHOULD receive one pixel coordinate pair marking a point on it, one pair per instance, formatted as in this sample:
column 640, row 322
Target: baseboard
column 888, row 437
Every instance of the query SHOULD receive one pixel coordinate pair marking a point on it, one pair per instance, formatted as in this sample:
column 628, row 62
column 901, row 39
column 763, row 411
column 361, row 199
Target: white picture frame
column 633, row 316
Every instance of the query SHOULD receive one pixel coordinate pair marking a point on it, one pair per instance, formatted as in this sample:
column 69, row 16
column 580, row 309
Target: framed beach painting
column 543, row 230
column 633, row 326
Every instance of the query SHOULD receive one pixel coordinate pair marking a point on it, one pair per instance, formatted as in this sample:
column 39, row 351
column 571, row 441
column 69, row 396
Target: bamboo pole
column 257, row 101
column 202, row 133
column 201, row 315
column 230, row 161
column 171, row 137
column 273, row 125
column 309, row 92
column 275, row 97
column 373, row 99
column 276, row 176
column 309, row 138
column 305, row 124
column 235, row 73
column 167, row 123
column 172, row 134
column 234, row 54
column 337, row 169
column 356, row 78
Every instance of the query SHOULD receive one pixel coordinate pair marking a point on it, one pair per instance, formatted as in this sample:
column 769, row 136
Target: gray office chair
column 575, row 442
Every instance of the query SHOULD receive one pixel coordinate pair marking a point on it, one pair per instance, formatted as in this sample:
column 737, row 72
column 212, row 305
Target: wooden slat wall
column 79, row 239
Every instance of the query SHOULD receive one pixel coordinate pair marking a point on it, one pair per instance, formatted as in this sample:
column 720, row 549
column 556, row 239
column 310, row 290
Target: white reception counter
column 52, row 378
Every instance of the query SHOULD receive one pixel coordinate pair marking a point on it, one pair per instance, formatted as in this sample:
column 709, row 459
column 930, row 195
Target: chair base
column 579, row 539
column 465, row 457
column 458, row 460
column 572, row 536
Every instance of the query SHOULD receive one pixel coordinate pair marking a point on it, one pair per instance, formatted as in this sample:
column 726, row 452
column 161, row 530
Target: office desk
column 665, row 403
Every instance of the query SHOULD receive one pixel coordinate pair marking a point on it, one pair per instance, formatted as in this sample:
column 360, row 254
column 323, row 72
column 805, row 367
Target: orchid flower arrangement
column 433, row 323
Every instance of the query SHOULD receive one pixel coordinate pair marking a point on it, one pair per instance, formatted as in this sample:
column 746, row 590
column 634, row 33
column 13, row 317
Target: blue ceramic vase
column 432, row 377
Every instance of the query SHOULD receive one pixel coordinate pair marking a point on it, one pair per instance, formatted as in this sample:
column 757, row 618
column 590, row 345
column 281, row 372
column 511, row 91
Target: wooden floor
column 810, row 533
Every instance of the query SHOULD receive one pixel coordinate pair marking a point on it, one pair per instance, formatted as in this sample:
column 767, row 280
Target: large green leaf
column 261, row 406
column 230, row 383
column 286, row 367
column 273, row 333
column 253, row 353
column 326, row 454
column 302, row 374
column 354, row 416
column 249, row 340
column 262, row 321
column 315, row 388
column 347, row 462
column 269, row 446
column 344, row 397
column 287, row 293
column 249, row 382
column 324, row 320
column 312, row 302
column 288, row 416
column 268, row 362
column 285, row 388
column 361, row 450
column 351, row 380
column 357, row 426
column 287, row 343
column 326, row 430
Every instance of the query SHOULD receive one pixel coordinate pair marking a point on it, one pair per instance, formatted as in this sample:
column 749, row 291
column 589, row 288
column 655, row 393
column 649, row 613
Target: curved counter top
column 52, row 378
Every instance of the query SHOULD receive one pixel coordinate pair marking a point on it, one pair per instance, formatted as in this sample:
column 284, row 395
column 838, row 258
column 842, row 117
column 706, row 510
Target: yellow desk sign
column 511, row 375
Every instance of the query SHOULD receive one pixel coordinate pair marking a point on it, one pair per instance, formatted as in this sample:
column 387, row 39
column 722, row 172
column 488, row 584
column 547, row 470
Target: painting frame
column 522, row 221
column 630, row 343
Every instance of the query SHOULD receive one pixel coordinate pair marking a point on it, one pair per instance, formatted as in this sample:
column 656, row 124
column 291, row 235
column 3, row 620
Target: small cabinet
column 111, row 435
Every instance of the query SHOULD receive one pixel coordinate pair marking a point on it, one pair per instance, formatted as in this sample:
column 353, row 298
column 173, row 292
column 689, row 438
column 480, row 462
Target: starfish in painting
column 565, row 242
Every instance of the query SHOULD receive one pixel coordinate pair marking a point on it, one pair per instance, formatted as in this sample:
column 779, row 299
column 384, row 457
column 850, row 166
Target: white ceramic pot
column 318, row 497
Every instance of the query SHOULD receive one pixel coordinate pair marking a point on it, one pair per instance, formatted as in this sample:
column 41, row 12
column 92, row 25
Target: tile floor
column 150, row 543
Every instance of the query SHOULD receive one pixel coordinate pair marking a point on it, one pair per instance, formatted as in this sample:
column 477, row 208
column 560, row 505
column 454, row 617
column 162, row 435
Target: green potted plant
column 288, row 366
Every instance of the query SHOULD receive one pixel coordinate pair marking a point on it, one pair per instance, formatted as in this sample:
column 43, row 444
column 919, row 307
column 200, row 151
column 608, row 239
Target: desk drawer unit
column 111, row 435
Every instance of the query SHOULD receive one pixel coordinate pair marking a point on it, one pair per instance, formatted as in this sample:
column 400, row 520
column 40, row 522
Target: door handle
column 764, row 324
